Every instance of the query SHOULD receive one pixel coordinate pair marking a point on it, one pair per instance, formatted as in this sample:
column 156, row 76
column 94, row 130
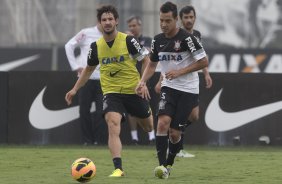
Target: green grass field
column 215, row 165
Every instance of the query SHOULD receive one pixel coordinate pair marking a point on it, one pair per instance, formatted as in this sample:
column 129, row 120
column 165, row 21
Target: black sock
column 173, row 150
column 188, row 123
column 182, row 141
column 117, row 163
column 161, row 146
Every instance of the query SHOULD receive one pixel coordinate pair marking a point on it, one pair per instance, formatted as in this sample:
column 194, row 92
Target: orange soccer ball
column 83, row 170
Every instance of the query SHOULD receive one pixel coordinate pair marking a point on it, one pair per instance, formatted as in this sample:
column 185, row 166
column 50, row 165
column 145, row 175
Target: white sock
column 151, row 135
column 134, row 135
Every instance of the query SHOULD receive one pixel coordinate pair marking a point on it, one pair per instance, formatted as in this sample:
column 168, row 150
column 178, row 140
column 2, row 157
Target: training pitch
column 212, row 165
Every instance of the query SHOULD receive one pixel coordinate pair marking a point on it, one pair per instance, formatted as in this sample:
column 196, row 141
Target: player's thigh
column 113, row 103
column 184, row 106
column 113, row 120
column 146, row 123
column 167, row 103
column 137, row 106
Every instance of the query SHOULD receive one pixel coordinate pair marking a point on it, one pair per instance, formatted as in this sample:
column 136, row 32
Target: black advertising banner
column 239, row 108
column 38, row 113
column 63, row 64
column 3, row 106
column 25, row 59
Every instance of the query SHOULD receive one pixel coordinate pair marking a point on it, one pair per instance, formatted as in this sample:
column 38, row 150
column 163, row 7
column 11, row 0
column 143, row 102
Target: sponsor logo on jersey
column 177, row 45
column 136, row 44
column 112, row 74
column 170, row 57
column 190, row 44
column 109, row 60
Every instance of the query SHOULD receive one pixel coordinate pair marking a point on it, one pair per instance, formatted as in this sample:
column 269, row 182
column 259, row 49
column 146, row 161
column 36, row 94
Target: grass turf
column 212, row 165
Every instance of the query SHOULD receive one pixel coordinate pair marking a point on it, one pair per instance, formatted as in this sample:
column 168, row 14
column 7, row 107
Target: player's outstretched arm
column 86, row 72
column 147, row 74
column 158, row 85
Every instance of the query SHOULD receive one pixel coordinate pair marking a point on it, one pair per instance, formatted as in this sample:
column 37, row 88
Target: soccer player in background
column 117, row 54
column 188, row 17
column 134, row 24
column 91, row 91
column 180, row 55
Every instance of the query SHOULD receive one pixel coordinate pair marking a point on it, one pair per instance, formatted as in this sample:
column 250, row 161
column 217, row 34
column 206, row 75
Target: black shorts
column 130, row 103
column 177, row 104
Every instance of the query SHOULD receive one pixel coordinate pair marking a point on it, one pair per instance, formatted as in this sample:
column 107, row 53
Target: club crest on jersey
column 177, row 45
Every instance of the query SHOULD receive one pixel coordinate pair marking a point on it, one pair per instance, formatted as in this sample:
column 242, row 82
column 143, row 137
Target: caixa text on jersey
column 109, row 60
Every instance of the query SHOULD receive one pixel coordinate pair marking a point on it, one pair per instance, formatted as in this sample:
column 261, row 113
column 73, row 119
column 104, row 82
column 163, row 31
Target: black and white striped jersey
column 175, row 53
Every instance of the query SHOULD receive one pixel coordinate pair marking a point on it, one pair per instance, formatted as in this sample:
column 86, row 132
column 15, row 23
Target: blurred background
column 232, row 23
column 243, row 39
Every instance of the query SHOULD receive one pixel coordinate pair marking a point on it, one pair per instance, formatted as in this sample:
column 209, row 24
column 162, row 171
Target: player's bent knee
column 162, row 127
column 193, row 118
column 174, row 135
column 148, row 128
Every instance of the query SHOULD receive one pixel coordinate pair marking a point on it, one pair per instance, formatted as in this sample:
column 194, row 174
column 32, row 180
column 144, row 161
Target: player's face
column 134, row 28
column 167, row 23
column 188, row 20
column 108, row 23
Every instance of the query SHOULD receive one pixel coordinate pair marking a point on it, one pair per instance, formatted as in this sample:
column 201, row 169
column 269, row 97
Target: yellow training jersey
column 118, row 73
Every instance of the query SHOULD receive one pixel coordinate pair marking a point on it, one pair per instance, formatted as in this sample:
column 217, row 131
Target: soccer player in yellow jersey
column 117, row 54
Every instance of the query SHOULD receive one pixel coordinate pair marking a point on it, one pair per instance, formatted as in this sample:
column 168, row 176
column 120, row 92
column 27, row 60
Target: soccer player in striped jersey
column 180, row 56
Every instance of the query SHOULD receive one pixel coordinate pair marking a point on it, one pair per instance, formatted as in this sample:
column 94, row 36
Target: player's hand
column 69, row 96
column 172, row 74
column 208, row 80
column 142, row 90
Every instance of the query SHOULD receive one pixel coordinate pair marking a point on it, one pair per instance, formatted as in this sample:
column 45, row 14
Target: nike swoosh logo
column 112, row 74
column 220, row 121
column 42, row 118
column 16, row 63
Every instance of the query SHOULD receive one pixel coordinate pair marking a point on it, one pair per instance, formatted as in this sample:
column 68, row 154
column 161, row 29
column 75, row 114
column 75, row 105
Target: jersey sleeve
column 194, row 46
column 93, row 55
column 136, row 50
column 154, row 54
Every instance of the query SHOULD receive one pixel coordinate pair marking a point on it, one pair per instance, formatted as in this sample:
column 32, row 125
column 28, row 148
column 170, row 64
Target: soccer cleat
column 168, row 168
column 117, row 173
column 184, row 154
column 161, row 172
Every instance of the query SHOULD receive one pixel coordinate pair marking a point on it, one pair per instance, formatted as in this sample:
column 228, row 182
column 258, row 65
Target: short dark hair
column 107, row 9
column 169, row 7
column 134, row 17
column 186, row 10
